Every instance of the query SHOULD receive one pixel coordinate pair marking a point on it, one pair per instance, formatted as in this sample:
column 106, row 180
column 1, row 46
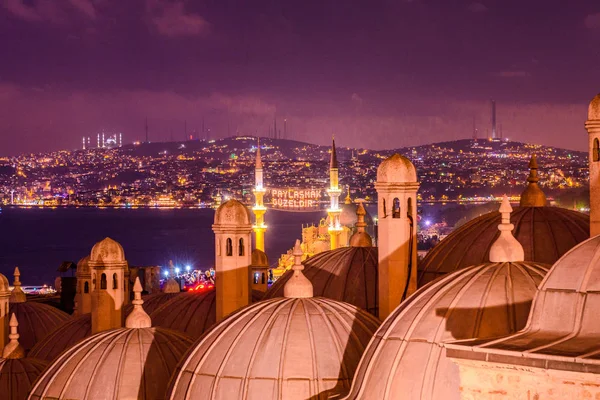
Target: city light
column 177, row 270
column 187, row 268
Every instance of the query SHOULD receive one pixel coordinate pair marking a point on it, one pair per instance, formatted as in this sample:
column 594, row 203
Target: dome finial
column 298, row 286
column 17, row 295
column 506, row 248
column 348, row 199
column 361, row 238
column 138, row 317
column 533, row 196
column 13, row 349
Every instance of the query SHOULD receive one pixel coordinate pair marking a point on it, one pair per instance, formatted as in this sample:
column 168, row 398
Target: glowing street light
column 177, row 270
column 187, row 268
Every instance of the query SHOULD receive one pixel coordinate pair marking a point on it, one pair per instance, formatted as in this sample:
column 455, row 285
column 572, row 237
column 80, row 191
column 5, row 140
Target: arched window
column 241, row 249
column 256, row 275
column 86, row 287
column 228, row 247
column 384, row 211
column 115, row 286
column 409, row 208
column 103, row 281
column 596, row 150
column 263, row 278
column 396, row 208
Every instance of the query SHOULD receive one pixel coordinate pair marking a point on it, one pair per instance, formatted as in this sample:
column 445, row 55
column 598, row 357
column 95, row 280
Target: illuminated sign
column 295, row 198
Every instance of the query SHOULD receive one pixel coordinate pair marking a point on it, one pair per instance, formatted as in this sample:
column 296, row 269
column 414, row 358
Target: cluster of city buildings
column 199, row 173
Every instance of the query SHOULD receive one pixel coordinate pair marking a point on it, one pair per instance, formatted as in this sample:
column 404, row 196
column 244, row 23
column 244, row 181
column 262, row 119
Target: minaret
column 298, row 286
column 533, row 196
column 593, row 127
column 17, row 295
column 109, row 286
column 361, row 238
column 259, row 208
column 13, row 349
column 233, row 237
column 506, row 248
column 4, row 304
column 397, row 232
column 334, row 211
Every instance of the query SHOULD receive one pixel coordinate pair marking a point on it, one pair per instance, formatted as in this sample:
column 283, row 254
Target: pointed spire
column 333, row 162
column 17, row 295
column 348, row 199
column 13, row 349
column 506, row 248
column 533, row 196
column 361, row 238
column 258, row 163
column 298, row 286
column 138, row 318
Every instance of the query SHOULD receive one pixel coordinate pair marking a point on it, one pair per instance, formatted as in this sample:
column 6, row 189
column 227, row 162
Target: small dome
column 4, row 286
column 563, row 322
column 18, row 375
column 36, row 320
column 190, row 313
column 284, row 348
column 259, row 258
column 119, row 363
column 406, row 358
column 346, row 274
column 62, row 338
column 546, row 233
column 83, row 267
column 107, row 251
column 594, row 109
column 396, row 169
column 232, row 212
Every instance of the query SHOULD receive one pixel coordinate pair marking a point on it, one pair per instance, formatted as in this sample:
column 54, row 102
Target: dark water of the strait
column 39, row 240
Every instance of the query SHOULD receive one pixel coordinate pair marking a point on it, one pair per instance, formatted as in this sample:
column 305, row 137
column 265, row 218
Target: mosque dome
column 107, row 251
column 546, row 233
column 119, row 363
column 259, row 258
column 153, row 301
column 62, row 338
column 190, row 313
column 346, row 274
column 83, row 266
column 406, row 358
column 18, row 375
column 283, row 348
column 594, row 109
column 232, row 212
column 36, row 320
column 396, row 169
column 4, row 286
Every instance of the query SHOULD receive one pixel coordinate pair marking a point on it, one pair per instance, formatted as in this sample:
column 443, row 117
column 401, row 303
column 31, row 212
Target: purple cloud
column 171, row 19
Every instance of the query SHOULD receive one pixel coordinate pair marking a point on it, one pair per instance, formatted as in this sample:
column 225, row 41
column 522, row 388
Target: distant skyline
column 379, row 74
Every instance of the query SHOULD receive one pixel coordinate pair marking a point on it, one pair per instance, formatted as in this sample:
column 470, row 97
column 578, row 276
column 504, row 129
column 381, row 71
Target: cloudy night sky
column 377, row 73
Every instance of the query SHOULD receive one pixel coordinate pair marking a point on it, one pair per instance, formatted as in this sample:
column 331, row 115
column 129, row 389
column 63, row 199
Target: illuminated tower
column 233, row 236
column 334, row 211
column 110, row 292
column 397, row 232
column 593, row 127
column 259, row 208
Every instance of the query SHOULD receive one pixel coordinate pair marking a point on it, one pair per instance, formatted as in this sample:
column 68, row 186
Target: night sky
column 378, row 74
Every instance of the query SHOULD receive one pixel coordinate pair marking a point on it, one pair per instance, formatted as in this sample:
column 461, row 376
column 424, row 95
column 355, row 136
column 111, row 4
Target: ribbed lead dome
column 546, row 233
column 115, row 364
column 284, row 348
column 17, row 376
column 406, row 358
column 346, row 274
column 62, row 338
column 190, row 313
column 36, row 320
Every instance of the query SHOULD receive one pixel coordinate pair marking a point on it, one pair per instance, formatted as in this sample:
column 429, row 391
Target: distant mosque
column 503, row 308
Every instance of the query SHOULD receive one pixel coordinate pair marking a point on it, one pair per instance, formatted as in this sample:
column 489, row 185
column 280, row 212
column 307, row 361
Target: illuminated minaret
column 592, row 125
column 334, row 191
column 259, row 208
